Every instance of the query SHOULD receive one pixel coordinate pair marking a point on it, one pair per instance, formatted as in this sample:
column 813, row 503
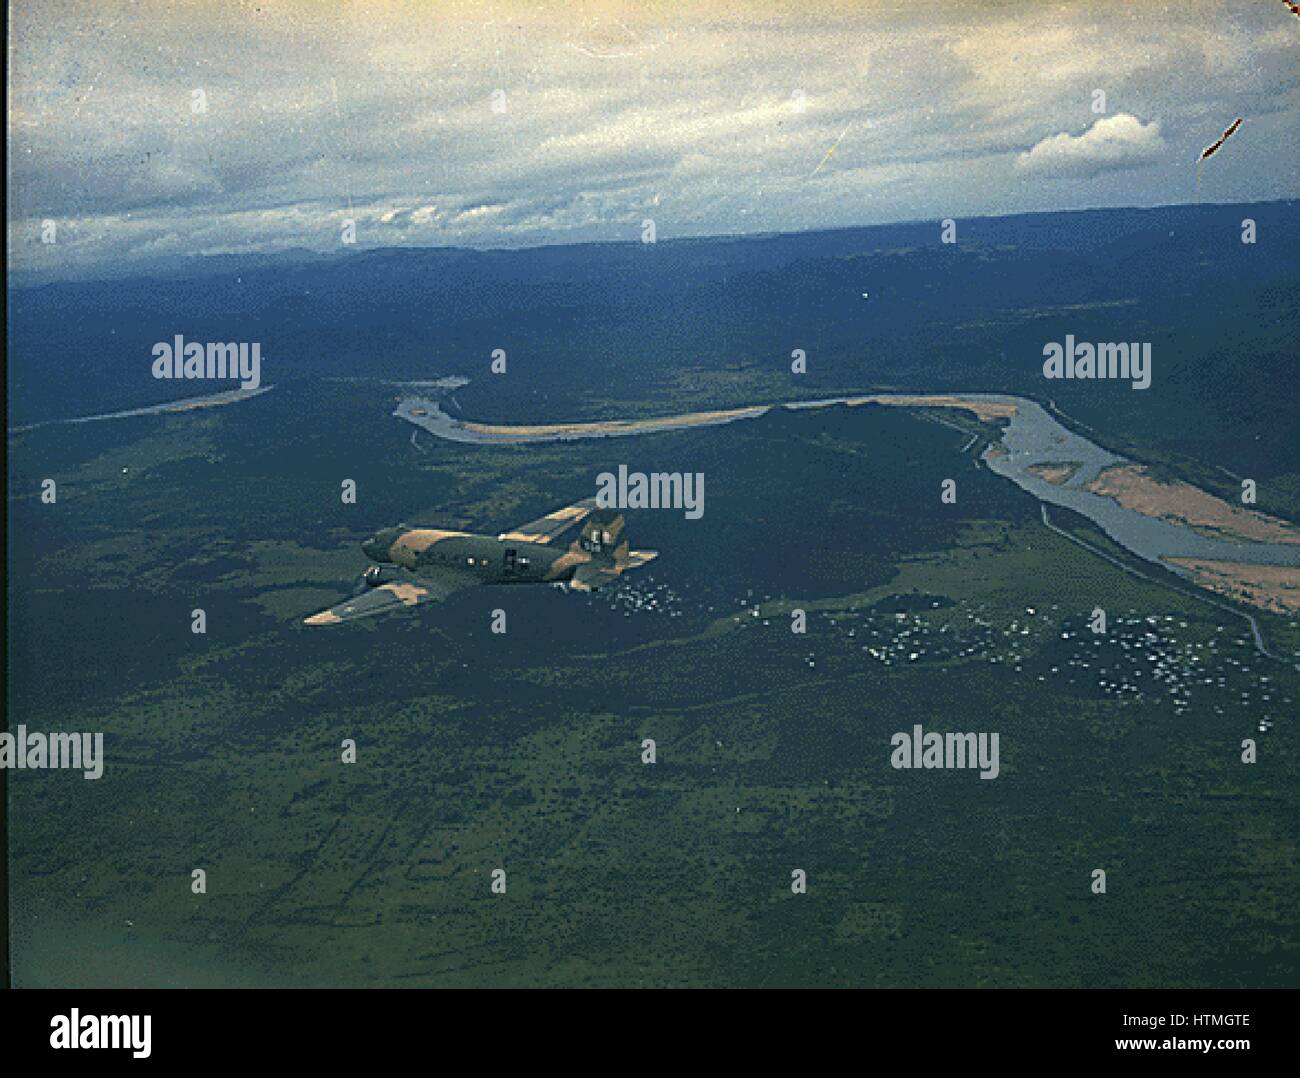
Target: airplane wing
column 408, row 590
column 551, row 525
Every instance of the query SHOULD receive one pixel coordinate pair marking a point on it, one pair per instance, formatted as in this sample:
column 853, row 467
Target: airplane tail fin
column 604, row 537
column 603, row 532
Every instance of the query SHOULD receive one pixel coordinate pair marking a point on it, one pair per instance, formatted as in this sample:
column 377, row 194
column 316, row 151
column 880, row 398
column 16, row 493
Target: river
column 1031, row 437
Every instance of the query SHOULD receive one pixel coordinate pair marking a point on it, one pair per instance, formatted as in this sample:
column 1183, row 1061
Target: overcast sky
column 513, row 124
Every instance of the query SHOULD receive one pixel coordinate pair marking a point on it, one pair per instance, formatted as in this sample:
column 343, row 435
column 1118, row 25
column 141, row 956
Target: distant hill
column 589, row 323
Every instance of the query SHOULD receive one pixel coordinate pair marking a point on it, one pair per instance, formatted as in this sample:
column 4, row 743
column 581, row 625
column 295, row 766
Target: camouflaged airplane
column 425, row 565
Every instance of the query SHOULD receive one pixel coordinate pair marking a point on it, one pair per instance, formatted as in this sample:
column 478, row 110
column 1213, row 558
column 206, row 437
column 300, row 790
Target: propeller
column 372, row 577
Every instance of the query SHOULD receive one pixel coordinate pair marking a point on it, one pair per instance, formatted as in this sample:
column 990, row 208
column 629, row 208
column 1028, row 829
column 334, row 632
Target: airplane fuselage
column 410, row 566
column 490, row 559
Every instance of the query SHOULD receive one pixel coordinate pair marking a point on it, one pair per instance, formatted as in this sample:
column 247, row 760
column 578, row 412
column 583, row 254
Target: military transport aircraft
column 424, row 565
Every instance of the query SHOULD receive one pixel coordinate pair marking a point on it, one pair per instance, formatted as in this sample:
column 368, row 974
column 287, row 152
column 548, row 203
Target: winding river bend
column 1035, row 451
column 1031, row 439
column 186, row 404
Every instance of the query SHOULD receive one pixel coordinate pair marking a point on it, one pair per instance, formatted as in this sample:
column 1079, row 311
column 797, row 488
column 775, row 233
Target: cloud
column 1112, row 144
column 382, row 114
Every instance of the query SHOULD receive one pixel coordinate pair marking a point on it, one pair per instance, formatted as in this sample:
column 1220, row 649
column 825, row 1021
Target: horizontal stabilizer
column 595, row 575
